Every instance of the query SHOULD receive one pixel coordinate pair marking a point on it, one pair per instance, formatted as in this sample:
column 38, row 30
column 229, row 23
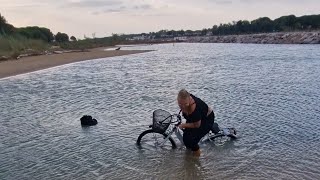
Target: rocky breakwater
column 264, row 38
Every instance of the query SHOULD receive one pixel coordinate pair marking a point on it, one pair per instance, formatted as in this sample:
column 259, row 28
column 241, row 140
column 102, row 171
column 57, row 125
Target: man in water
column 199, row 116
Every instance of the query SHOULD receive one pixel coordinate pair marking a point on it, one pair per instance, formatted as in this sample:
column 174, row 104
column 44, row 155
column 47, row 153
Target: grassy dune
column 13, row 46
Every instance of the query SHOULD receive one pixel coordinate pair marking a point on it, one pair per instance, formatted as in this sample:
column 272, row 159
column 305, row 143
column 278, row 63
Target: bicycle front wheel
column 155, row 139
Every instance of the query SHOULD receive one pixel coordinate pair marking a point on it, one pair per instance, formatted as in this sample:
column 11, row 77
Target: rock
column 3, row 58
column 263, row 38
column 30, row 54
column 57, row 52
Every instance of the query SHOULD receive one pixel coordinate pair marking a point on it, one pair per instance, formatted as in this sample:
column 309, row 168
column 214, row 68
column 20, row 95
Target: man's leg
column 191, row 139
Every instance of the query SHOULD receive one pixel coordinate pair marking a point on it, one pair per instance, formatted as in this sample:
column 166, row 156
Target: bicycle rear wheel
column 231, row 133
column 154, row 139
column 214, row 136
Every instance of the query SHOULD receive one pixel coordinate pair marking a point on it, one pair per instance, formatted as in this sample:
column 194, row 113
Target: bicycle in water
column 164, row 125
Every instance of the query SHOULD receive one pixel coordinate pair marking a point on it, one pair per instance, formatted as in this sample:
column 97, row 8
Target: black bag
column 87, row 120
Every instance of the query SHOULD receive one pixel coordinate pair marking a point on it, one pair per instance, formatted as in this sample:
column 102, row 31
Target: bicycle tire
column 214, row 136
column 149, row 131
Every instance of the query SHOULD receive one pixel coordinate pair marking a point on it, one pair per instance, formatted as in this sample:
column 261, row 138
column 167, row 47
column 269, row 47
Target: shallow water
column 270, row 93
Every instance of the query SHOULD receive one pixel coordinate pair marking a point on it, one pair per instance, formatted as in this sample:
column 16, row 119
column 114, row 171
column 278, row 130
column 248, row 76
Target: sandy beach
column 34, row 63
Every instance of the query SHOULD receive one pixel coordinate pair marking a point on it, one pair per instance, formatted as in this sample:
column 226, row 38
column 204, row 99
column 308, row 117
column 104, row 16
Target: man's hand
column 181, row 126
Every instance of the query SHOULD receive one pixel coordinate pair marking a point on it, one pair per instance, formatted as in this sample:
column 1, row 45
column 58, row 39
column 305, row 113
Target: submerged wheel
column 155, row 139
column 232, row 134
column 214, row 136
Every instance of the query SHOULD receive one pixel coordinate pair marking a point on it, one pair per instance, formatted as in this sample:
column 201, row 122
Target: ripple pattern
column 270, row 93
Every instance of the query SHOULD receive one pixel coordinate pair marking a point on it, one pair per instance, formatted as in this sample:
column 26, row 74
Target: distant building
column 166, row 36
column 140, row 38
column 188, row 33
column 197, row 33
column 181, row 38
column 209, row 33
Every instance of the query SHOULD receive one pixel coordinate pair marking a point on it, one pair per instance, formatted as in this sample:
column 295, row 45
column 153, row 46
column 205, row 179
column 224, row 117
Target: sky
column 101, row 18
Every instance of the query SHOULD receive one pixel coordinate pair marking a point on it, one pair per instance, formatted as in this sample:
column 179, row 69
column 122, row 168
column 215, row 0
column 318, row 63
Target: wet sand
column 34, row 63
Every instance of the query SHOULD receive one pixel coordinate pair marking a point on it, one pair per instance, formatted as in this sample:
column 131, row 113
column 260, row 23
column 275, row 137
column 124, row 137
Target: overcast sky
column 103, row 17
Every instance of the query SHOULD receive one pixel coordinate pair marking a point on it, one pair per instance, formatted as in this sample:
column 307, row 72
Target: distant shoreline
column 262, row 38
column 34, row 63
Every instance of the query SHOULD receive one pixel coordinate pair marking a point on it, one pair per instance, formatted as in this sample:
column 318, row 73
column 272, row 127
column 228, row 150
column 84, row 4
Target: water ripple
column 270, row 93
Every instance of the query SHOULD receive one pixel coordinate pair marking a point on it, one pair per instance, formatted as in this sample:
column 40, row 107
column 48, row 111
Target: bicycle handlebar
column 178, row 121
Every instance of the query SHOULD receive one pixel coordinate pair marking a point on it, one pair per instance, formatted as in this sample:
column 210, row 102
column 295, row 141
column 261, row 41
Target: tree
column 115, row 39
column 36, row 32
column 263, row 24
column 49, row 37
column 73, row 38
column 285, row 23
column 204, row 32
column 309, row 22
column 215, row 30
column 3, row 23
column 180, row 32
column 5, row 28
column 62, row 37
column 171, row 33
column 243, row 27
column 225, row 29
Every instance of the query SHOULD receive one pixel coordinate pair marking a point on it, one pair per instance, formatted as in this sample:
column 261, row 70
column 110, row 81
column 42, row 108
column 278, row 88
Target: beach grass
column 13, row 46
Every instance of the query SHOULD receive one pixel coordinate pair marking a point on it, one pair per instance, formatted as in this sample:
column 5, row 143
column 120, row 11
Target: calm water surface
column 270, row 93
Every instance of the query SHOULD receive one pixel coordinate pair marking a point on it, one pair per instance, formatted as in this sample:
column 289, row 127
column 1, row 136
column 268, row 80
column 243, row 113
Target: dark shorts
column 191, row 137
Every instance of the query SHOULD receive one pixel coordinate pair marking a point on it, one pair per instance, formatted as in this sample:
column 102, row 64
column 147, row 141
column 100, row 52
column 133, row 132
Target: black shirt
column 200, row 112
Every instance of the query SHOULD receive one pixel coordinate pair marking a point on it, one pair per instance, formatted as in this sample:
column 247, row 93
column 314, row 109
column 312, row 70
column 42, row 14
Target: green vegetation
column 35, row 32
column 16, row 41
column 62, row 37
column 13, row 46
column 89, row 43
column 260, row 25
column 33, row 39
column 265, row 25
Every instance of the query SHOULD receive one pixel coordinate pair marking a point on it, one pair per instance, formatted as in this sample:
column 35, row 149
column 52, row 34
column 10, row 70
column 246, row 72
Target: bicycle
column 164, row 125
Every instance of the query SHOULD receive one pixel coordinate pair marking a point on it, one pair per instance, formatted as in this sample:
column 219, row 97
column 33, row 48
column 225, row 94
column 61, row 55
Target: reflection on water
column 270, row 93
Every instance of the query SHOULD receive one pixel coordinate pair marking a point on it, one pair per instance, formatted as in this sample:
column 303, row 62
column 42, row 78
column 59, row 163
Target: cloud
column 223, row 2
column 110, row 10
column 22, row 5
column 110, row 5
column 92, row 3
column 278, row 1
column 142, row 7
column 130, row 9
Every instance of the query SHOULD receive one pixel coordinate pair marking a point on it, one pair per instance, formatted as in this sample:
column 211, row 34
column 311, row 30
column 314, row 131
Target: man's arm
column 196, row 124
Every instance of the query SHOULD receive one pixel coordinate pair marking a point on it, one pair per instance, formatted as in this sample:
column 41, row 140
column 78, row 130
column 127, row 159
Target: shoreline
column 34, row 63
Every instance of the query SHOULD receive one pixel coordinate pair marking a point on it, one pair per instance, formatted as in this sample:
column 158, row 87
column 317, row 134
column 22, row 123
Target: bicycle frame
column 179, row 135
column 176, row 131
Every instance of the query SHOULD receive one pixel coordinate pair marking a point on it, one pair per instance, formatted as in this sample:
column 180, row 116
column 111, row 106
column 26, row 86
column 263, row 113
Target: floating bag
column 87, row 120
